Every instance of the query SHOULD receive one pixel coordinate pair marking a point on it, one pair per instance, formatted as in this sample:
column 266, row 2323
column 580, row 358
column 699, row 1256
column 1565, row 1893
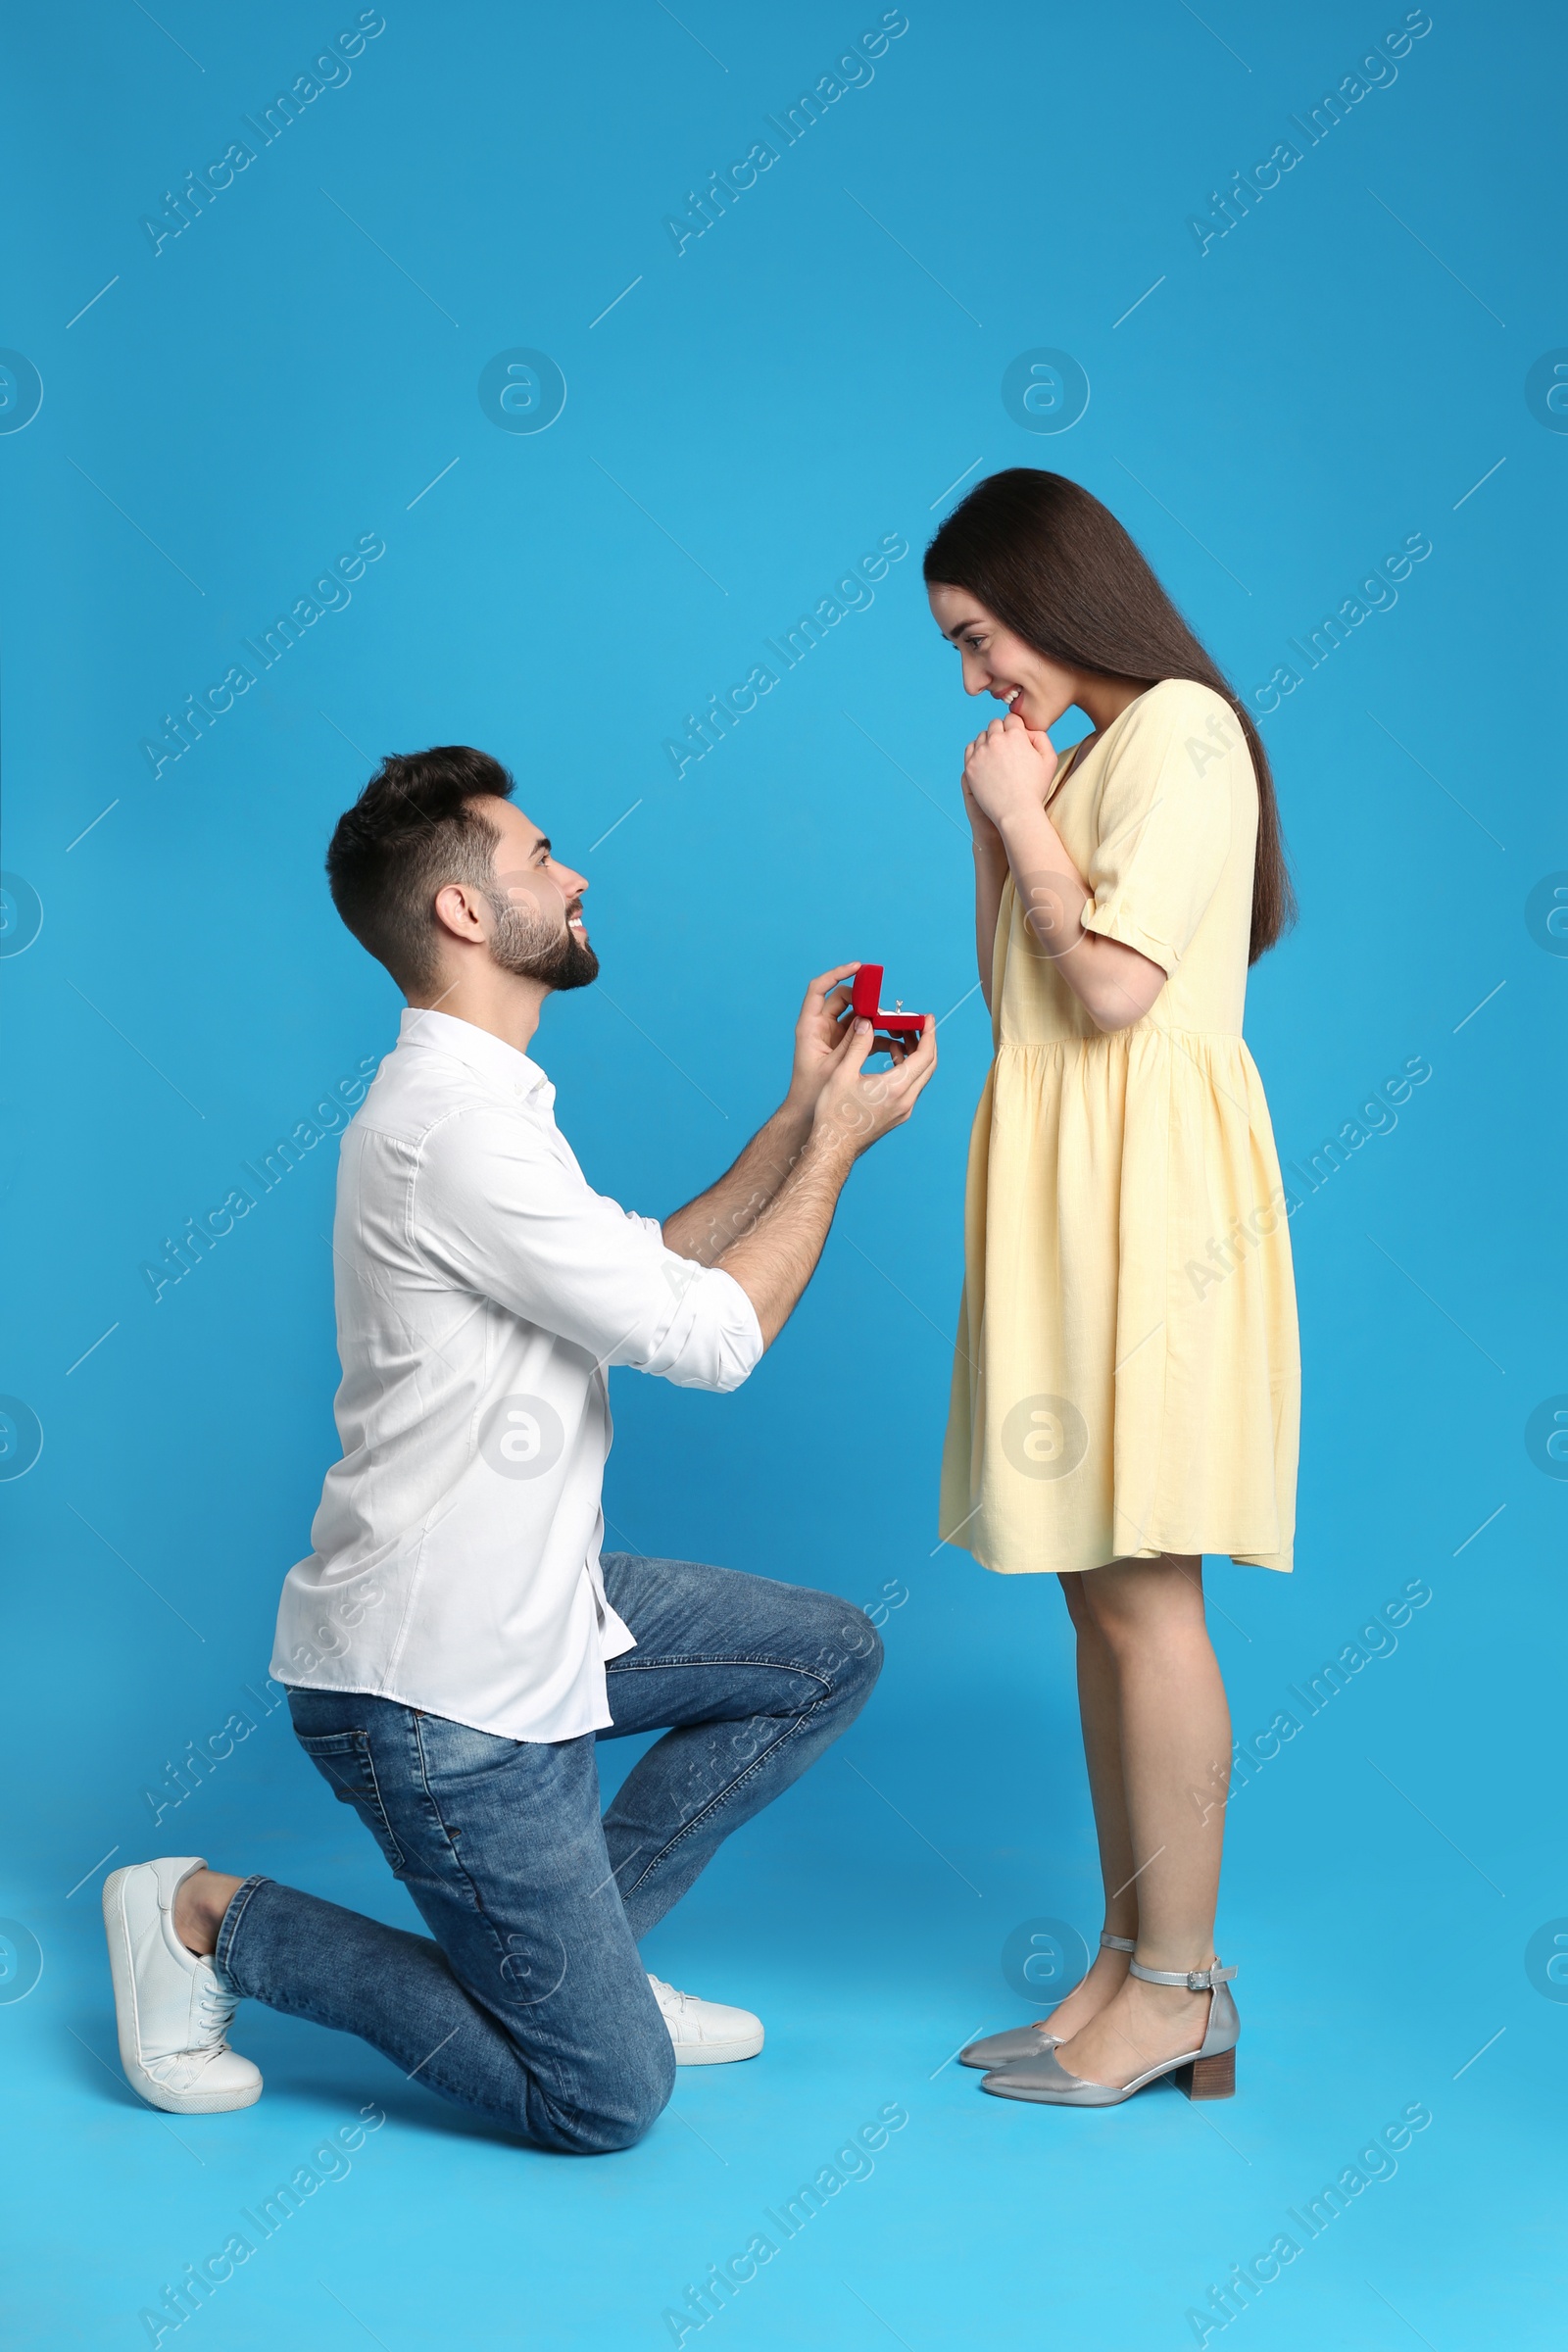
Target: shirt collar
column 491, row 1056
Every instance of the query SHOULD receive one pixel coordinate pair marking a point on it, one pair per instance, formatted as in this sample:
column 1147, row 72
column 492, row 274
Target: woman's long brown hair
column 1058, row 569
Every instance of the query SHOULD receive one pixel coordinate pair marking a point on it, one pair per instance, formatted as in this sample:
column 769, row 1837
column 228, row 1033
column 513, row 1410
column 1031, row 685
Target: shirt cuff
column 713, row 1341
column 743, row 1341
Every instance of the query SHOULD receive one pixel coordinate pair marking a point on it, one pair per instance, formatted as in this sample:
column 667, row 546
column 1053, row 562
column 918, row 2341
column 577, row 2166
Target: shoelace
column 215, row 2014
column 667, row 1995
column 217, row 2008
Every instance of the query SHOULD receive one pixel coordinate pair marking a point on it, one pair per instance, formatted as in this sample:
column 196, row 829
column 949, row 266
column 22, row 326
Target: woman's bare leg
column 1175, row 1743
column 1099, row 1711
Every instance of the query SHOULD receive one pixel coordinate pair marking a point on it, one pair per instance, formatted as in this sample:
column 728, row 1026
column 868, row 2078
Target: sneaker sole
column 123, row 1975
column 718, row 2053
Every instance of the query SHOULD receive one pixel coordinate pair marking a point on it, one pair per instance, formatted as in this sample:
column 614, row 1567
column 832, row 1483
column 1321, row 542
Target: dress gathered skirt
column 1126, row 1381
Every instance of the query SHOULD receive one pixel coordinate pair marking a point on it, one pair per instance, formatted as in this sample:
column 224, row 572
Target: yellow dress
column 1127, row 1379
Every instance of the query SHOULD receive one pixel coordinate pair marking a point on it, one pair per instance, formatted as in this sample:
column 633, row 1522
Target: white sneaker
column 173, row 2013
column 705, row 2033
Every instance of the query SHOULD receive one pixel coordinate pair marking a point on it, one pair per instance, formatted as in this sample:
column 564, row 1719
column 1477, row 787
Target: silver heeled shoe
column 1028, row 2041
column 1207, row 2072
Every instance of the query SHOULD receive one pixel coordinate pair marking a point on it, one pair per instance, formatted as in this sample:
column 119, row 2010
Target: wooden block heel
column 1210, row 2077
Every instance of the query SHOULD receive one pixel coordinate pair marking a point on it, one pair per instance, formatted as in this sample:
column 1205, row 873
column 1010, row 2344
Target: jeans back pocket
column 346, row 1764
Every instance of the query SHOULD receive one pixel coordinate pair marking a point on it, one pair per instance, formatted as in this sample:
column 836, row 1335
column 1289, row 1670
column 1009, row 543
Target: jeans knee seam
column 689, row 1829
column 640, row 1664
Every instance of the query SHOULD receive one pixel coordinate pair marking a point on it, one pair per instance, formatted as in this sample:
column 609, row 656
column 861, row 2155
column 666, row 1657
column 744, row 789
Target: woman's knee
column 1130, row 1602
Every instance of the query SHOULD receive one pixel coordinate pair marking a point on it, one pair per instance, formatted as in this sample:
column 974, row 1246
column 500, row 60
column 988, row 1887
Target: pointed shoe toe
column 1009, row 2049
column 1045, row 2080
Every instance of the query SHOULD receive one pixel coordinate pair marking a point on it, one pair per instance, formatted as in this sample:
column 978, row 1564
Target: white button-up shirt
column 482, row 1289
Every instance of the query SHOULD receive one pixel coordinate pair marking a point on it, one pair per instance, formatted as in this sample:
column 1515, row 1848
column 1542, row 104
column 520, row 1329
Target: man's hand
column 775, row 1258
column 824, row 1044
column 1007, row 769
column 854, row 1110
column 819, row 1032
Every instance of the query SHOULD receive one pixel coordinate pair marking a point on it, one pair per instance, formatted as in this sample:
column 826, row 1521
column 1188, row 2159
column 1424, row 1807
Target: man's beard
column 516, row 944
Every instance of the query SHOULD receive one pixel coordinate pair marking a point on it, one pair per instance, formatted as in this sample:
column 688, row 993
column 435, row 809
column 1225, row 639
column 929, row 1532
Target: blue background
column 816, row 371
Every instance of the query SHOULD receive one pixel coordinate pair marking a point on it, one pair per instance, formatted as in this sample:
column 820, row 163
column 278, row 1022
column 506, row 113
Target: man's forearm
column 729, row 1210
column 776, row 1258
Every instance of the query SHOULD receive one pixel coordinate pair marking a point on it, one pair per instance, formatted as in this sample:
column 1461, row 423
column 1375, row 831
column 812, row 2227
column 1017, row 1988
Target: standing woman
column 1126, row 1388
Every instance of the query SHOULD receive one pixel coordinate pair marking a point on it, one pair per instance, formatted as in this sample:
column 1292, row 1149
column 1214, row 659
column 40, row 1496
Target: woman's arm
column 1008, row 774
column 990, row 876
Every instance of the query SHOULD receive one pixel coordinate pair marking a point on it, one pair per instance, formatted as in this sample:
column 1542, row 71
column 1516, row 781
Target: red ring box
column 906, row 1027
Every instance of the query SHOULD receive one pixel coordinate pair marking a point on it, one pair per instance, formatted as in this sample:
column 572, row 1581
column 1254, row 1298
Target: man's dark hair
column 413, row 828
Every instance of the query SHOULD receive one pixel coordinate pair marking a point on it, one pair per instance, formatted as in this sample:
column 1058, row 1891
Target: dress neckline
column 1096, row 743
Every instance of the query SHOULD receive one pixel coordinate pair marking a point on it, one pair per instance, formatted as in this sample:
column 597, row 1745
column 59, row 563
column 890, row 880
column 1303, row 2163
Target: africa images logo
column 523, row 1436
column 1045, row 1437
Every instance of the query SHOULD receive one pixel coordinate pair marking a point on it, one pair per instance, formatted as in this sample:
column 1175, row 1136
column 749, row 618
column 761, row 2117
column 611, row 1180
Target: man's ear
column 457, row 911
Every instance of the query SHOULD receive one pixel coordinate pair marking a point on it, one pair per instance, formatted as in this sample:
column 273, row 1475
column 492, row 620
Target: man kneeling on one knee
column 457, row 1641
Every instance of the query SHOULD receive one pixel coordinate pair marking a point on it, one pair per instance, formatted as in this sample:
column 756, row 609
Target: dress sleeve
column 1164, row 821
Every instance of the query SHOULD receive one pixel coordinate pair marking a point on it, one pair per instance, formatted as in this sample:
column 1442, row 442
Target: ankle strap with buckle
column 1196, row 1979
column 1117, row 1943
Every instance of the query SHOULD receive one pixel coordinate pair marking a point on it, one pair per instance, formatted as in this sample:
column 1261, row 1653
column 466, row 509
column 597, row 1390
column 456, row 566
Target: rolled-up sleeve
column 498, row 1206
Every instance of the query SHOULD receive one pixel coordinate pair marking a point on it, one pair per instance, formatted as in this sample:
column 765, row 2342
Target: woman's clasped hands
column 1007, row 769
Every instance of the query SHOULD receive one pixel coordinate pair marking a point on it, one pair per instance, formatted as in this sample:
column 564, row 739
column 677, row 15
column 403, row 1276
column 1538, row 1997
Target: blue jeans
column 531, row 2005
